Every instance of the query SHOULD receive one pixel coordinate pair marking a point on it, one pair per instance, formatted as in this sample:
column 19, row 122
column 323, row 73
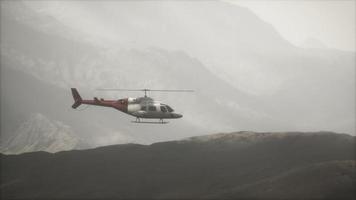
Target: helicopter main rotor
column 143, row 90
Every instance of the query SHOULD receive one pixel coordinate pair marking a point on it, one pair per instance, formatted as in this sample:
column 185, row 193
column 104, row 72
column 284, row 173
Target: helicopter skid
column 141, row 122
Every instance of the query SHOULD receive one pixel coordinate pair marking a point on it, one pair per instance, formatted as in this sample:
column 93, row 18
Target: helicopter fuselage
column 141, row 107
column 146, row 107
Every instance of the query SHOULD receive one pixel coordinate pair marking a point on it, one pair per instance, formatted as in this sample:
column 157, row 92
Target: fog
column 330, row 23
column 245, row 74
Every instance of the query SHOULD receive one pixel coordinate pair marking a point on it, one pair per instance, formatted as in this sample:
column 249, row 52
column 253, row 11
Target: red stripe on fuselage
column 120, row 104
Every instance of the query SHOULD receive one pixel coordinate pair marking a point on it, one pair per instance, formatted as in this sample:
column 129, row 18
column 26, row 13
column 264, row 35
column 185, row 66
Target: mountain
column 238, row 47
column 231, row 40
column 38, row 133
column 40, row 66
column 240, row 165
column 338, row 182
column 246, row 76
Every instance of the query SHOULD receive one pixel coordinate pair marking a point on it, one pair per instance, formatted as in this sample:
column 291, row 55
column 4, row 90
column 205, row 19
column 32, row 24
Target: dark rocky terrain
column 241, row 165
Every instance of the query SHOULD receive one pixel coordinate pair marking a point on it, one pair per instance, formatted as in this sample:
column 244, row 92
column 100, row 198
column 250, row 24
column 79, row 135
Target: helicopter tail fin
column 77, row 98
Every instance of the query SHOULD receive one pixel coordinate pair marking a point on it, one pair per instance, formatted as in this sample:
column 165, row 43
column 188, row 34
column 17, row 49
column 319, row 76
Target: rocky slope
column 239, row 165
column 38, row 133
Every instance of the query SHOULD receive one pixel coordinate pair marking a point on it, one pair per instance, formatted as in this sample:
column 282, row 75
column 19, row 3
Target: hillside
column 250, row 165
column 38, row 133
column 326, row 180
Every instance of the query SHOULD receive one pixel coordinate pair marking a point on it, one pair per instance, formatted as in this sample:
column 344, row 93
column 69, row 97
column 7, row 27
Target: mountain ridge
column 187, row 170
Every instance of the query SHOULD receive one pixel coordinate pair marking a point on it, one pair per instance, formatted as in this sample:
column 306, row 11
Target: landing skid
column 142, row 122
column 138, row 120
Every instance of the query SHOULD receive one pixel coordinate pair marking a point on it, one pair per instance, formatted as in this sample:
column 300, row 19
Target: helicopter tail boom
column 120, row 104
column 77, row 98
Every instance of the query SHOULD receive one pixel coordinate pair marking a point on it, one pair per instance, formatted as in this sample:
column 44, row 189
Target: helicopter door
column 152, row 108
column 153, row 112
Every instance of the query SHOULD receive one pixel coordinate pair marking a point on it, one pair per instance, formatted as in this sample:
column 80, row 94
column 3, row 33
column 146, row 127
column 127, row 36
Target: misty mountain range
column 246, row 76
column 241, row 165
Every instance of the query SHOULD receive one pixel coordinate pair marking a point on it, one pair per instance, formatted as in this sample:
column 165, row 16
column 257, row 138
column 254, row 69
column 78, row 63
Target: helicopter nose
column 175, row 115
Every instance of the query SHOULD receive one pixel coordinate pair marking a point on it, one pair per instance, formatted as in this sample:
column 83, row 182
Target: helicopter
column 140, row 107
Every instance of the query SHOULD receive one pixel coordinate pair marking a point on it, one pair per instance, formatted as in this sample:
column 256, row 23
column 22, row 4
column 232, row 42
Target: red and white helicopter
column 140, row 107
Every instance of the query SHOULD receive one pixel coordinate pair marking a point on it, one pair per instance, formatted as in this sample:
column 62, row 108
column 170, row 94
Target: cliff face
column 230, row 166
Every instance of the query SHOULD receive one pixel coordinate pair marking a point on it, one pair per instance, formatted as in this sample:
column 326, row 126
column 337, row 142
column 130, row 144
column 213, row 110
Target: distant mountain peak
column 39, row 133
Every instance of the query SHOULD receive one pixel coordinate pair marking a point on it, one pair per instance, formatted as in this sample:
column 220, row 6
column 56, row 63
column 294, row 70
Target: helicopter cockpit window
column 152, row 108
column 163, row 109
column 169, row 109
column 144, row 108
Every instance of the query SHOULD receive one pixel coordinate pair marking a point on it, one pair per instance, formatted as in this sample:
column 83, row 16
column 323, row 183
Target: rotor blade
column 172, row 90
column 114, row 89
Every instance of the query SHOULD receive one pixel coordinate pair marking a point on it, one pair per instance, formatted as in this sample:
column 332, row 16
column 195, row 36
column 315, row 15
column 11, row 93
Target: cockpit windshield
column 169, row 109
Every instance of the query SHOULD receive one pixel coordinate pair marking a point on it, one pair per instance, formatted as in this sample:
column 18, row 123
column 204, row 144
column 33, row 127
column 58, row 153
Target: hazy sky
column 332, row 22
column 329, row 23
